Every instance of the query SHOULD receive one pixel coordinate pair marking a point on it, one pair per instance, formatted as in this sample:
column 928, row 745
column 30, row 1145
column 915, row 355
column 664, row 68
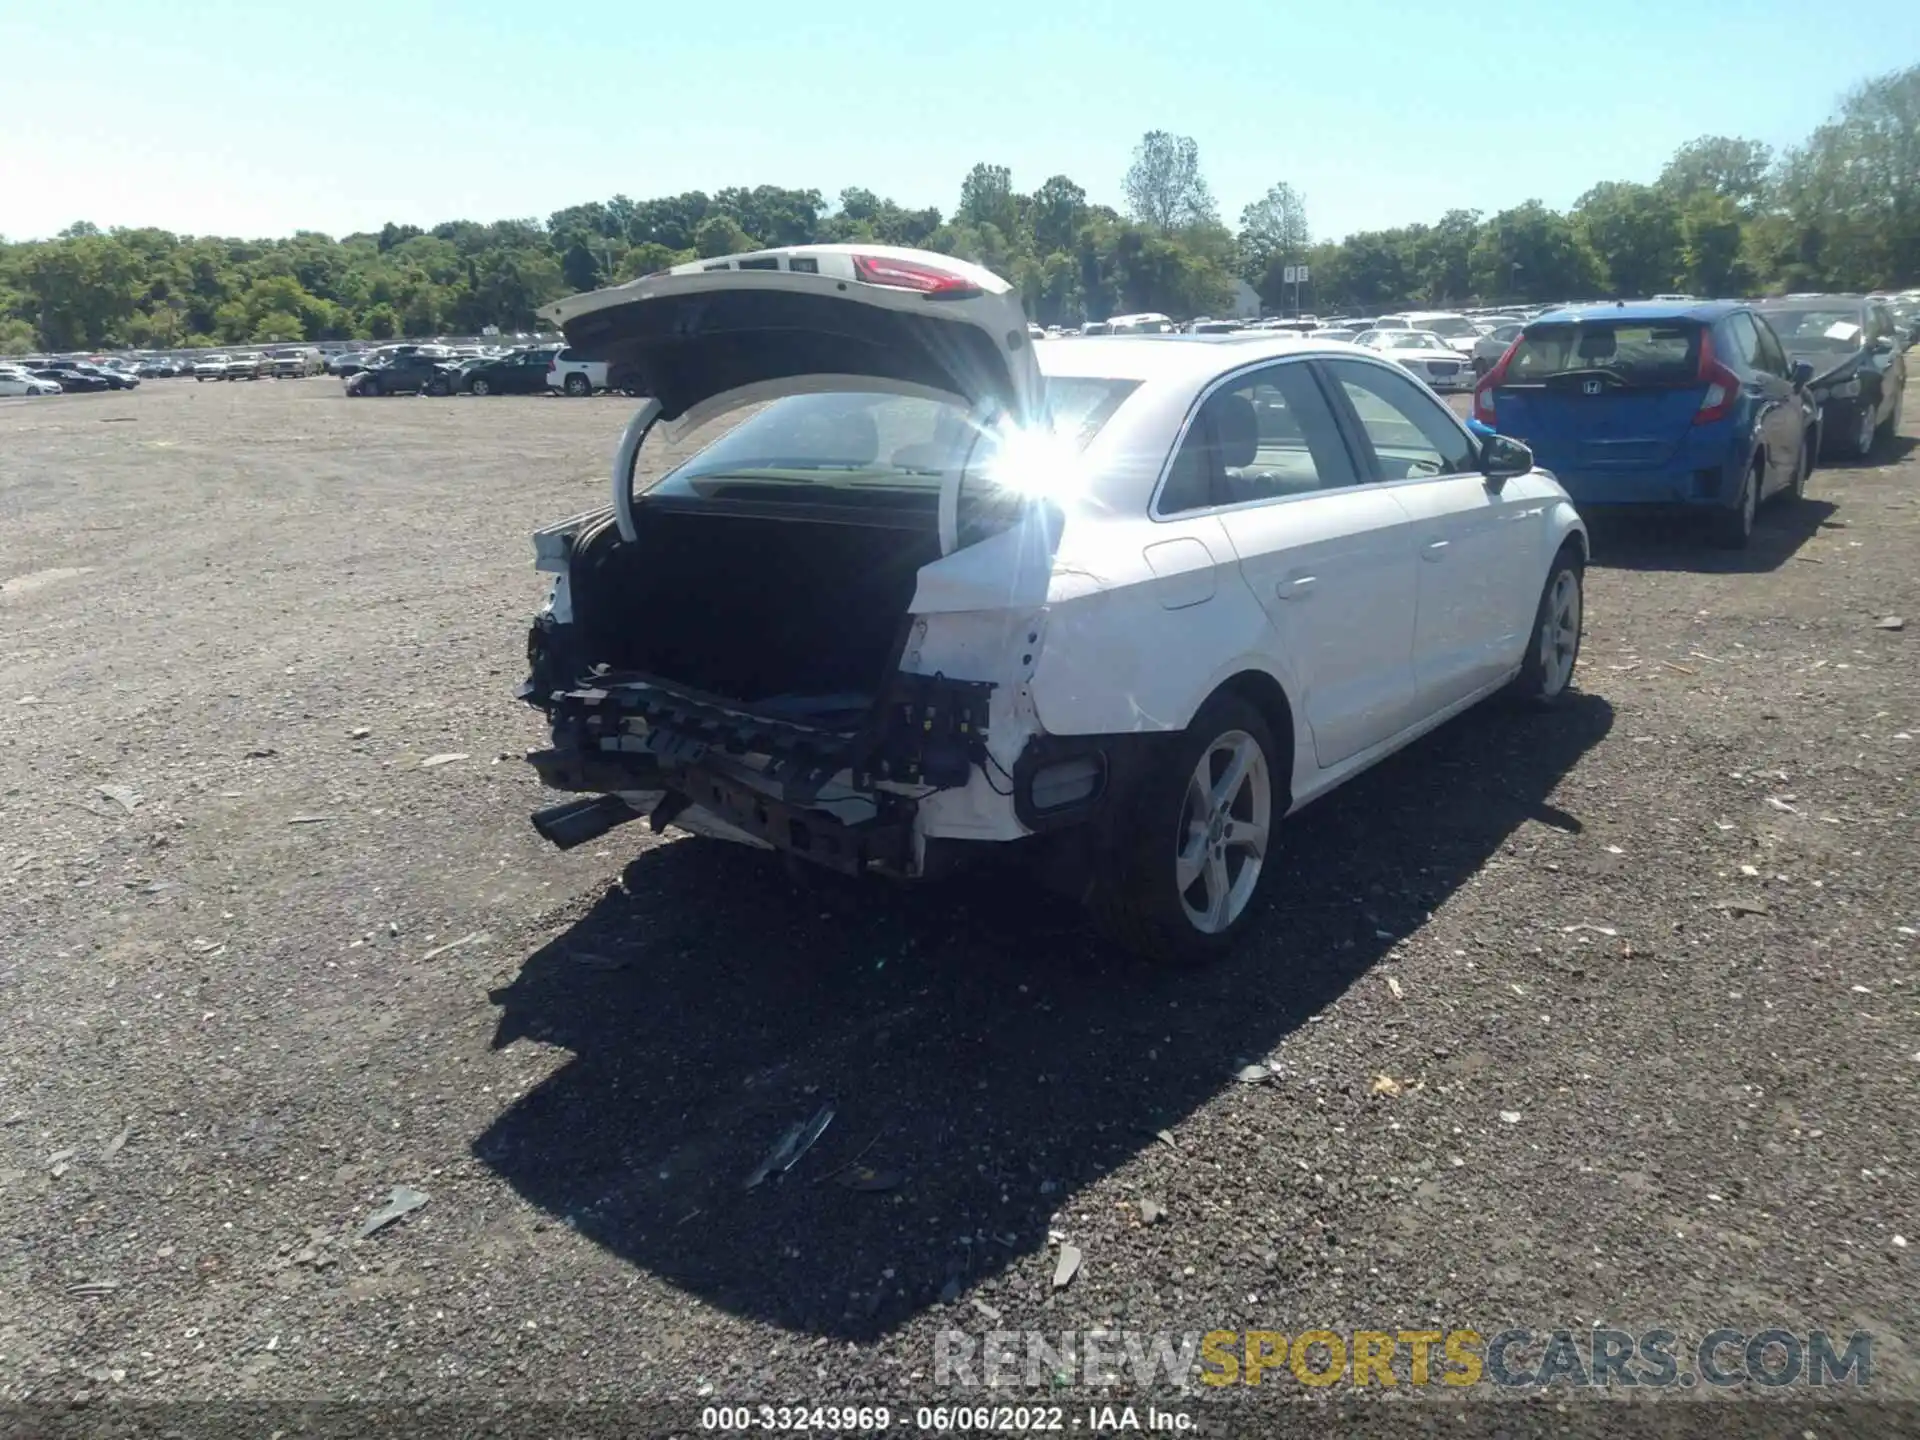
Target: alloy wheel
column 1560, row 634
column 1225, row 820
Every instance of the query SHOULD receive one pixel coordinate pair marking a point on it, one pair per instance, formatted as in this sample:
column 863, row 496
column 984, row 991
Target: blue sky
column 262, row 118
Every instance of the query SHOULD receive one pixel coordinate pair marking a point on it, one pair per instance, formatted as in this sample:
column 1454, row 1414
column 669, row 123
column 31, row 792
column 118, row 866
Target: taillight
column 1489, row 382
column 1723, row 386
column 908, row 275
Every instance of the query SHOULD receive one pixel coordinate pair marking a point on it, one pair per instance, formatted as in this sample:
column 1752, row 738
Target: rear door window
column 1768, row 353
column 1411, row 434
column 1265, row 436
column 1631, row 353
column 1743, row 340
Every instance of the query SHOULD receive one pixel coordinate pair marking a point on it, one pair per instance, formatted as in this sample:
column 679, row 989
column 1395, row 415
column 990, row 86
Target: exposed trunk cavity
column 771, row 611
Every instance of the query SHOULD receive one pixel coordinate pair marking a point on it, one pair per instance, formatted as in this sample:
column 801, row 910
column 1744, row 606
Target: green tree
column 1635, row 232
column 721, row 235
column 1273, row 231
column 1722, row 165
column 1164, row 186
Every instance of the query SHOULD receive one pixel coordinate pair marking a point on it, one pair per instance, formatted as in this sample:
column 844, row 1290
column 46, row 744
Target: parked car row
column 48, row 376
column 435, row 370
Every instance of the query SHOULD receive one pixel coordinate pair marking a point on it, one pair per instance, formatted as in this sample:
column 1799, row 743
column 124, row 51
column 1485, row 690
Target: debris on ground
column 309, row 819
column 792, row 1144
column 1741, row 907
column 1509, row 1117
column 127, row 798
column 435, row 761
column 1890, row 622
column 1066, row 1267
column 1781, row 805
column 866, row 1179
column 468, row 939
column 1152, row 1212
column 94, row 1287
column 119, row 1142
column 1254, row 1074
column 359, row 732
column 1394, row 986
column 1386, row 1085
column 404, row 1201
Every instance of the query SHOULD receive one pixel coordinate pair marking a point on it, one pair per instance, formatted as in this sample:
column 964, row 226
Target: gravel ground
column 1603, row 1015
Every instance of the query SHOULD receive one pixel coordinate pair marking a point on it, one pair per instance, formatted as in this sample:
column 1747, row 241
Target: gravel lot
column 1640, row 976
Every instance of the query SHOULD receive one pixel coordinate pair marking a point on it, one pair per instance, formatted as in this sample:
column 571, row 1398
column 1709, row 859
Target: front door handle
column 1294, row 587
column 1435, row 550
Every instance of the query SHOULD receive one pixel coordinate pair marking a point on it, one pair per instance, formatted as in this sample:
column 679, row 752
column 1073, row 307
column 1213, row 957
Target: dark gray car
column 1859, row 361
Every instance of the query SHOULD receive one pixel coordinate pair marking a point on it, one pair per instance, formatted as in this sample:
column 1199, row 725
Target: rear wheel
column 438, row 387
column 480, row 386
column 578, row 384
column 1192, row 860
column 1733, row 529
column 1546, row 675
column 1865, row 433
column 369, row 386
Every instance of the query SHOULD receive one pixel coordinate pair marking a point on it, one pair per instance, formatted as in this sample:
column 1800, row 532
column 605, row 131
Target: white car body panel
column 1379, row 609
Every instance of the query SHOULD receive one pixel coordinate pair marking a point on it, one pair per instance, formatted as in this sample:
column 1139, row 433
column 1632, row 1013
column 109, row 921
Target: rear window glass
column 859, row 447
column 1647, row 353
column 1818, row 330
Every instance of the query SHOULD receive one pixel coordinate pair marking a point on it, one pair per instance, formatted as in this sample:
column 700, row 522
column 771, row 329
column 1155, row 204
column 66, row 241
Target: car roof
column 1704, row 311
column 1178, row 358
column 1800, row 302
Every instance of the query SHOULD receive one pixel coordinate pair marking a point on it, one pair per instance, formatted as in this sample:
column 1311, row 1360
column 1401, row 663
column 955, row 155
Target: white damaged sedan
column 1123, row 607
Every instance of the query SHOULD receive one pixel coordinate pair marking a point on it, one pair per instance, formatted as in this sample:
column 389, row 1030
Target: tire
column 577, row 384
column 438, row 388
column 1553, row 645
column 1861, row 442
column 480, row 387
column 1733, row 529
column 1890, row 427
column 370, row 388
column 1139, row 902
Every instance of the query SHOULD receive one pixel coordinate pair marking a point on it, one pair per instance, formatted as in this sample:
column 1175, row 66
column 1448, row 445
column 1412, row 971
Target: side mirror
column 1502, row 458
column 1802, row 373
column 1883, row 346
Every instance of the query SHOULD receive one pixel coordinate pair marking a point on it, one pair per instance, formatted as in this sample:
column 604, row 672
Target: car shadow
column 986, row 1056
column 1682, row 542
column 1887, row 452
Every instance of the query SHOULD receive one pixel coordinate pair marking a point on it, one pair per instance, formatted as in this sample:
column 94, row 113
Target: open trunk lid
column 871, row 315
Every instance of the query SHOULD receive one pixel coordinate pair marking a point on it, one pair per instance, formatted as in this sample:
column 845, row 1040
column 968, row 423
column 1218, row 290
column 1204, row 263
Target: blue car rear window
column 1632, row 353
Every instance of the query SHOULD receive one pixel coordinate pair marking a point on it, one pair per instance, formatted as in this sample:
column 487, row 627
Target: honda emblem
column 1590, row 387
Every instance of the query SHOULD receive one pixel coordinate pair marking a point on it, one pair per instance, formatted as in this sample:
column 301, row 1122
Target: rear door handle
column 1434, row 550
column 1294, row 587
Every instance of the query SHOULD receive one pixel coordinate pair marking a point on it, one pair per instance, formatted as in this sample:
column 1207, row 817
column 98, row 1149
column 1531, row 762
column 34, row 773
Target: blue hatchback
column 1658, row 405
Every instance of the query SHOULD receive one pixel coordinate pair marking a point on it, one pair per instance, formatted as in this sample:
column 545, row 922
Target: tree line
column 1725, row 216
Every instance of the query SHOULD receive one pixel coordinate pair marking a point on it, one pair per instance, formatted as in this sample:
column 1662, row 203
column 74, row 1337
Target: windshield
column 830, row 448
column 1818, row 330
column 1648, row 353
column 1451, row 327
